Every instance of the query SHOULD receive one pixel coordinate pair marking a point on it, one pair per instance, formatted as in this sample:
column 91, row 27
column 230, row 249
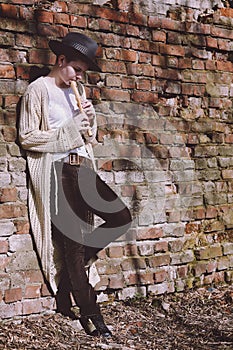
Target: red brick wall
column 164, row 106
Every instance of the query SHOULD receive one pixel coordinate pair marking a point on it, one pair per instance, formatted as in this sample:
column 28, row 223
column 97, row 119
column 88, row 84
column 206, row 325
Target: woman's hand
column 88, row 108
column 83, row 124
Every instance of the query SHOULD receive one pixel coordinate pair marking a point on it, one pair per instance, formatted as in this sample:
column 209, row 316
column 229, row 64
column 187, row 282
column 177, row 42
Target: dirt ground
column 199, row 319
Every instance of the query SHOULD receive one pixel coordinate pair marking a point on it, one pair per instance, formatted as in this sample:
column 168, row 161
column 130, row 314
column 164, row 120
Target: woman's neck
column 55, row 78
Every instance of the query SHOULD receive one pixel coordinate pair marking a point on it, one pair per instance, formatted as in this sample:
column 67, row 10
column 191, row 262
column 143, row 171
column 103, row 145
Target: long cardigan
column 40, row 143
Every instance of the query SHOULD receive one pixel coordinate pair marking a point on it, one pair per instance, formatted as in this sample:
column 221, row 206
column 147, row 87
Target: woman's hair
column 36, row 72
column 70, row 56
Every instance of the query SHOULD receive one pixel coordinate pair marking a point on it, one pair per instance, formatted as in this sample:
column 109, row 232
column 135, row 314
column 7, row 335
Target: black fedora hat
column 77, row 44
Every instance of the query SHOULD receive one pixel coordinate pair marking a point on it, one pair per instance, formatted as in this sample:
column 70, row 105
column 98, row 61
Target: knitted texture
column 40, row 143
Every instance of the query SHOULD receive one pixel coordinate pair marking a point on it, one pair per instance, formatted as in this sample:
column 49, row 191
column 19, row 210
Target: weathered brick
column 76, row 21
column 144, row 97
column 228, row 12
column 20, row 243
column 130, row 292
column 146, row 278
column 44, row 16
column 107, row 269
column 11, row 101
column 128, row 83
column 3, row 246
column 31, row 306
column 223, row 263
column 160, row 276
column 8, row 194
column 37, row 56
column 10, row 310
column 113, row 81
column 172, row 50
column 48, row 304
column 7, row 228
column 116, row 282
column 112, row 66
column 124, row 5
column 45, row 292
column 200, row 268
column 130, row 250
column 138, row 18
column 46, row 29
column 8, row 211
column 115, row 252
column 229, row 276
column 19, row 179
column 128, row 190
column 221, row 32
column 227, row 174
column 158, row 61
column 22, row 262
column 211, row 266
column 61, row 18
column 179, row 285
column 22, row 71
column 102, row 284
column 22, row 226
column 182, row 257
column 161, row 246
column 154, row 22
column 227, row 248
column 129, row 55
column 8, row 10
column 32, row 292
column 159, row 260
column 133, row 264
column 111, row 14
column 13, row 24
column 205, row 253
column 146, row 249
column 182, row 271
column 17, row 164
column 143, row 84
column 175, row 246
column 33, row 276
column 140, row 69
column 26, row 13
column 12, row 295
column 7, row 71
column 150, row 233
column 192, row 228
column 145, row 57
column 115, row 95
column 131, row 278
column 162, row 288
column 7, row 40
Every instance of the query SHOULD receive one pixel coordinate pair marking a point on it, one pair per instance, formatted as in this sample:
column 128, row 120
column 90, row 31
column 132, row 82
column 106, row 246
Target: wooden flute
column 78, row 99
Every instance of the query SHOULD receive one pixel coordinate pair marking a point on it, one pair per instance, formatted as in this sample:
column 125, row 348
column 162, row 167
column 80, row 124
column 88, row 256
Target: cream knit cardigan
column 40, row 142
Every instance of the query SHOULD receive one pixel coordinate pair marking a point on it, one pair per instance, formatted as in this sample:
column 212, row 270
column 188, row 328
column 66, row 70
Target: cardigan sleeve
column 34, row 136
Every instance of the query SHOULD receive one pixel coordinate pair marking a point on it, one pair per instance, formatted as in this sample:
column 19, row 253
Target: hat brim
column 62, row 49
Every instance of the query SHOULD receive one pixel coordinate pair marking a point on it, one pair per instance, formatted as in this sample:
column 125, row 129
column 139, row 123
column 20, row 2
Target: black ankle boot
column 99, row 324
column 88, row 326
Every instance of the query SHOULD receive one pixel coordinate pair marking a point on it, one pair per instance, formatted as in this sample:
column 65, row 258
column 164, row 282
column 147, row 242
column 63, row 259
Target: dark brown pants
column 81, row 192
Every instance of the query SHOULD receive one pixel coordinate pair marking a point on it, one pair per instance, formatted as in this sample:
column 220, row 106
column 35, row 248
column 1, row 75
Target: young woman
column 64, row 188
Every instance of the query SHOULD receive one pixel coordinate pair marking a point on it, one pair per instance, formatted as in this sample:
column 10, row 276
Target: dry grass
column 200, row 320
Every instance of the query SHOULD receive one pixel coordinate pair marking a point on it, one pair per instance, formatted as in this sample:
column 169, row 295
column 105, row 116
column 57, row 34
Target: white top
column 62, row 106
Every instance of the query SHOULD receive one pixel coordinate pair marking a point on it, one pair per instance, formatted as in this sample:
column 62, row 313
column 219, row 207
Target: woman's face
column 69, row 71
